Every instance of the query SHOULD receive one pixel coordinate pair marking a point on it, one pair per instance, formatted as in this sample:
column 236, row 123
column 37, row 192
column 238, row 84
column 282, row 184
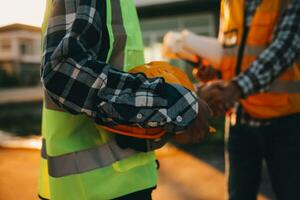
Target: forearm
column 147, row 103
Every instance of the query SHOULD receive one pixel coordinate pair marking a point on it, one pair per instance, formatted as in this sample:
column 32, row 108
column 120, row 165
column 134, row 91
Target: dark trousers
column 277, row 143
column 139, row 195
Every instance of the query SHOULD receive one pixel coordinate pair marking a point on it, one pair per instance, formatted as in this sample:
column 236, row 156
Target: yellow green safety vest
column 80, row 161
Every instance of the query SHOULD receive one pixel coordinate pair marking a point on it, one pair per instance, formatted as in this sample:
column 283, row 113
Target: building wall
column 20, row 45
column 154, row 29
column 20, row 54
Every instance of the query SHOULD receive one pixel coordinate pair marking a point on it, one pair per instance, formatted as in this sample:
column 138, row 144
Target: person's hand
column 220, row 95
column 204, row 72
column 196, row 132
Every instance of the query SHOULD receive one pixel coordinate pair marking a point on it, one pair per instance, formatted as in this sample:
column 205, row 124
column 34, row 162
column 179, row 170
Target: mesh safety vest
column 79, row 161
column 284, row 96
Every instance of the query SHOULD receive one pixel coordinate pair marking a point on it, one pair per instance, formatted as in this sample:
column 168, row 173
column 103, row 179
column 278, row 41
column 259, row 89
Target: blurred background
column 200, row 169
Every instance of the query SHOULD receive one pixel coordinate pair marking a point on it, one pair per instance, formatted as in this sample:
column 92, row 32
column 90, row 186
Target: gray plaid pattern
column 77, row 79
column 250, row 8
column 275, row 59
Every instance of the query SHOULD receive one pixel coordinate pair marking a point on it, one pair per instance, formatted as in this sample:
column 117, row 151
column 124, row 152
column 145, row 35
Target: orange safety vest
column 284, row 95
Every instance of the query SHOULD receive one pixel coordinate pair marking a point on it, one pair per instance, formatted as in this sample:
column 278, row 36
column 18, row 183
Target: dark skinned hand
column 204, row 72
column 220, row 96
column 197, row 131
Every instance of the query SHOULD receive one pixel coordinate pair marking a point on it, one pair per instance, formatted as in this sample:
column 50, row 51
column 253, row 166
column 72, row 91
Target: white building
column 20, row 51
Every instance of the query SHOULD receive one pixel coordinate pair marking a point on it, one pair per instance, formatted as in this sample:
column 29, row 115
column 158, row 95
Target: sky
column 22, row 11
column 31, row 11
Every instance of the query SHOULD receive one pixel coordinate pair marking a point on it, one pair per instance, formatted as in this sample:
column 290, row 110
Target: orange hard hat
column 171, row 75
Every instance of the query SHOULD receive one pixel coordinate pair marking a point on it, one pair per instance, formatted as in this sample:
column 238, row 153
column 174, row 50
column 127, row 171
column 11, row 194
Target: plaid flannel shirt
column 274, row 60
column 77, row 79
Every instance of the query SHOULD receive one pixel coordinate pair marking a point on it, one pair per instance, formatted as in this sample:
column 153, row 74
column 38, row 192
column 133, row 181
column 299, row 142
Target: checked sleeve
column 79, row 81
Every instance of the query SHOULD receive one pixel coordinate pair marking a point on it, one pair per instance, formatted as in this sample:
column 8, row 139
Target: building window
column 5, row 45
column 26, row 46
column 23, row 49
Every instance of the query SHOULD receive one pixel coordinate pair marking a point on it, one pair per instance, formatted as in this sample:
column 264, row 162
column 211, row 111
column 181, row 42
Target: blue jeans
column 277, row 143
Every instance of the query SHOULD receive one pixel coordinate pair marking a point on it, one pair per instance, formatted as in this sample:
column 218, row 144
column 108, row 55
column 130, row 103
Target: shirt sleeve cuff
column 182, row 107
column 245, row 83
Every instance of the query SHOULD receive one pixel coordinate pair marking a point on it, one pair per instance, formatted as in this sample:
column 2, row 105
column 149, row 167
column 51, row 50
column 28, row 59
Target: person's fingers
column 207, row 77
column 218, row 108
column 221, row 109
column 194, row 129
column 206, row 70
column 228, row 105
column 200, row 72
column 217, row 102
column 217, row 84
column 218, row 112
column 211, row 73
column 214, row 109
column 203, row 126
column 196, row 132
column 205, row 108
column 204, row 131
column 212, row 95
column 199, row 136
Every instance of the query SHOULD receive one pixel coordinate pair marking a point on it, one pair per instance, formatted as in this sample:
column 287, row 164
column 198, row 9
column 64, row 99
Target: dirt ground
column 18, row 174
column 191, row 179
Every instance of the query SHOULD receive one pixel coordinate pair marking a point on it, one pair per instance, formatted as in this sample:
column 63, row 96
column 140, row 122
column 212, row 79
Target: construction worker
column 87, row 46
column 260, row 69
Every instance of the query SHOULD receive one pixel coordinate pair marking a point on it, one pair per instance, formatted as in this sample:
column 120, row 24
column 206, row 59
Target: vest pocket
column 137, row 160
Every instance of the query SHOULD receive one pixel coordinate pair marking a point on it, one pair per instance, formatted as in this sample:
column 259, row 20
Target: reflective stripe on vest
column 280, row 86
column 120, row 33
column 85, row 160
column 248, row 51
